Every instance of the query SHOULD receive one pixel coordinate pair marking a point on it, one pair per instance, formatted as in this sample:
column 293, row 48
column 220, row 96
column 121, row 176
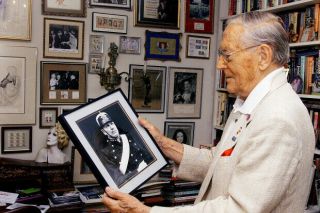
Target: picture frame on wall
column 96, row 44
column 147, row 88
column 185, row 92
column 63, row 83
column 123, row 4
column 16, row 139
column 76, row 8
column 63, row 38
column 96, row 63
column 48, row 117
column 162, row 46
column 18, row 99
column 182, row 132
column 198, row 47
column 81, row 171
column 199, row 16
column 87, row 127
column 109, row 23
column 17, row 24
column 129, row 45
column 160, row 14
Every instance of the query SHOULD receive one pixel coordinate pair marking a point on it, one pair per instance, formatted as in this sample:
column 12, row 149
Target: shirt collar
column 256, row 95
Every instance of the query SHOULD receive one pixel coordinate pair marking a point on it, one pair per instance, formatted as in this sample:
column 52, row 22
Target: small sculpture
column 113, row 54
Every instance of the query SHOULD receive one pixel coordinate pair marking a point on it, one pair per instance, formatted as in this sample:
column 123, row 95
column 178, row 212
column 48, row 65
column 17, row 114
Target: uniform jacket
column 269, row 167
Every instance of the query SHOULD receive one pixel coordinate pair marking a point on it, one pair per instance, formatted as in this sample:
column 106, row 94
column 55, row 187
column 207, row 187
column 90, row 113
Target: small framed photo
column 129, row 45
column 81, row 171
column 161, row 13
column 96, row 44
column 198, row 47
column 63, row 83
column 48, row 117
column 162, row 46
column 147, row 88
column 122, row 4
column 63, row 38
column 107, row 134
column 16, row 139
column 109, row 23
column 181, row 132
column 76, row 8
column 185, row 91
column 96, row 62
column 199, row 16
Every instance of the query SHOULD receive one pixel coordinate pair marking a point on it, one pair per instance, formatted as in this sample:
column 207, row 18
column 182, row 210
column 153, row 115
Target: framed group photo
column 182, row 132
column 198, row 47
column 16, row 139
column 120, row 4
column 109, row 23
column 162, row 46
column 147, row 88
column 48, row 117
column 81, row 171
column 161, row 14
column 76, row 8
column 63, row 38
column 199, row 16
column 185, row 92
column 129, row 45
column 105, row 132
column 96, row 63
column 63, row 83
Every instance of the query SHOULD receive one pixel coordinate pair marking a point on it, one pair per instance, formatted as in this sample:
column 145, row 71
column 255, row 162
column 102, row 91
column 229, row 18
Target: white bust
column 51, row 153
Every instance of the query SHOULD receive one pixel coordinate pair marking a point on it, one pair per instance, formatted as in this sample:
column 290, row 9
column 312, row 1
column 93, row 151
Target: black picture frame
column 17, row 139
column 124, row 4
column 182, row 132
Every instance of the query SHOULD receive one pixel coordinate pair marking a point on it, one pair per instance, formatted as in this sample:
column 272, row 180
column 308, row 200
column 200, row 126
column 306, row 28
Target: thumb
column 114, row 194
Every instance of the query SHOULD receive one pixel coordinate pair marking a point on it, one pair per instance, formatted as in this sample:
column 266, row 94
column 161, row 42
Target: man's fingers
column 114, row 194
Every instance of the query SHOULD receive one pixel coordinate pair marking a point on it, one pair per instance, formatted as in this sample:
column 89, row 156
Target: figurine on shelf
column 56, row 140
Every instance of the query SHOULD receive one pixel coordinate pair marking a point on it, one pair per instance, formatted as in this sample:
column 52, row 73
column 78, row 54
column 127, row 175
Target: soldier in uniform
column 122, row 157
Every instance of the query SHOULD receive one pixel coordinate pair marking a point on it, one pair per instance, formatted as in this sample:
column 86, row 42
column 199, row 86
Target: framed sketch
column 120, row 4
column 109, row 23
column 18, row 80
column 182, row 132
column 75, row 8
column 199, row 16
column 162, row 46
column 16, row 139
column 129, row 45
column 63, row 83
column 16, row 20
column 161, row 13
column 63, row 38
column 106, row 132
column 96, row 44
column 81, row 171
column 198, row 47
column 48, row 117
column 185, row 91
column 147, row 88
column 96, row 62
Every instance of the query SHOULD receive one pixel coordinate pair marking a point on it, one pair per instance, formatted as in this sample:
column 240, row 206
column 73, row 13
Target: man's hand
column 118, row 202
column 154, row 131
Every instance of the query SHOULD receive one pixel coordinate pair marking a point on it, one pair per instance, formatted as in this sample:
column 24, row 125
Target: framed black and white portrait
column 182, row 132
column 119, row 152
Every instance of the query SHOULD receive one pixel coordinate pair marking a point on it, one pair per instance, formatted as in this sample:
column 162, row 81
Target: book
column 59, row 199
column 90, row 193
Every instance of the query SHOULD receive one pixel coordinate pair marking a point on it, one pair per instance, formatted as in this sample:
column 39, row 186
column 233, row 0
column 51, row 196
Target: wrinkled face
column 111, row 129
column 241, row 66
column 52, row 137
column 179, row 137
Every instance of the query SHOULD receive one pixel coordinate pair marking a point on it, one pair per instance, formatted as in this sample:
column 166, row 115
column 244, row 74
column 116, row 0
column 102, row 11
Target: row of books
column 224, row 107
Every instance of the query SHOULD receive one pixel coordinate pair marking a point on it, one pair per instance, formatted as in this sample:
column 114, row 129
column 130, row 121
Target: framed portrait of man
column 119, row 152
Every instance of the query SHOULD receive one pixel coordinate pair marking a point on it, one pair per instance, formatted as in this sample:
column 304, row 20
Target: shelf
column 222, row 89
column 309, row 96
column 304, row 44
column 317, row 151
column 219, row 127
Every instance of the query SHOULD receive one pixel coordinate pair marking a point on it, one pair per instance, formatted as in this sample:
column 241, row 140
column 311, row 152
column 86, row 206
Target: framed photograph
column 147, row 88
column 76, row 8
column 129, row 45
column 181, row 132
column 120, row 4
column 16, row 139
column 162, row 46
column 16, row 20
column 96, row 62
column 198, row 47
column 161, row 13
column 63, row 38
column 63, row 83
column 18, row 85
column 48, row 117
column 119, row 152
column 185, row 91
column 109, row 23
column 199, row 16
column 96, row 44
column 81, row 171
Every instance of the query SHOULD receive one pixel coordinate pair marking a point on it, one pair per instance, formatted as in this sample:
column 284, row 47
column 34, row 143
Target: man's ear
column 265, row 58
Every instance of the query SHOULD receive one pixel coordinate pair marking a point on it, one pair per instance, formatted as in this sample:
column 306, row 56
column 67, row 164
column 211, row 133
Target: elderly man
column 264, row 158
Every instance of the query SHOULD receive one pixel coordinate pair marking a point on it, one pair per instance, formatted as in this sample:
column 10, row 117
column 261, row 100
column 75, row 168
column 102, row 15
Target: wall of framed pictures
column 90, row 27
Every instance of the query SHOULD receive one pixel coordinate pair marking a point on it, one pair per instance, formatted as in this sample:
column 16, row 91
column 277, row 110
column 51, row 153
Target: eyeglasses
column 226, row 56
